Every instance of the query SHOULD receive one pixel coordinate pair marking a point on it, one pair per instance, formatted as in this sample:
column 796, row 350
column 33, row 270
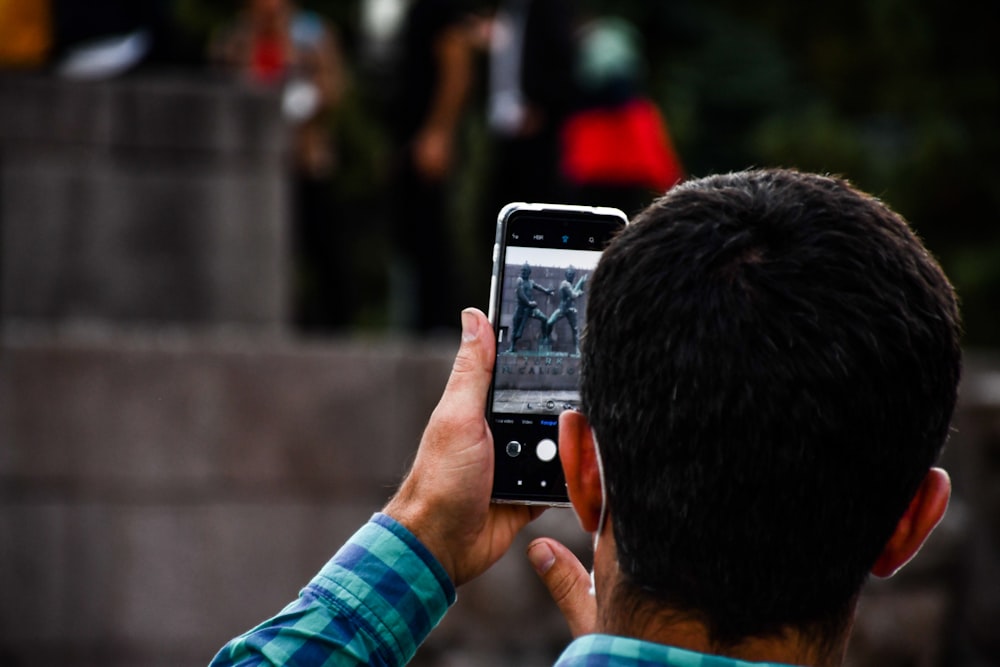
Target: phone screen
column 545, row 256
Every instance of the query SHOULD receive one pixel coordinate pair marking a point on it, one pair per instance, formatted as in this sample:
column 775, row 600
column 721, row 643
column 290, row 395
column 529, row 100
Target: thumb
column 568, row 583
column 473, row 367
column 462, row 408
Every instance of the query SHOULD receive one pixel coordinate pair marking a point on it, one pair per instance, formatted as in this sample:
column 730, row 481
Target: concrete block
column 161, row 492
column 150, row 413
column 164, row 579
column 143, row 201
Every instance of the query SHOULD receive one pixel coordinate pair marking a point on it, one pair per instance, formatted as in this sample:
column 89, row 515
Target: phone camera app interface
column 543, row 308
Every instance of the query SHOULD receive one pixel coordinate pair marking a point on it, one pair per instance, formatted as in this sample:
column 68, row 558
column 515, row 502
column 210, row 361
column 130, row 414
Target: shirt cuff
column 391, row 582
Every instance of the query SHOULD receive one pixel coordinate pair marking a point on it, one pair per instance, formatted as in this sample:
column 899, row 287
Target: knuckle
column 563, row 585
column 466, row 362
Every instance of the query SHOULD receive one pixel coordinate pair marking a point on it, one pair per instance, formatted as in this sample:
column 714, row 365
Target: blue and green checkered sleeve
column 372, row 604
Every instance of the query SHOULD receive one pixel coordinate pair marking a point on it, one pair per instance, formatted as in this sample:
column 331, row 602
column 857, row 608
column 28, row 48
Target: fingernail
column 470, row 326
column 541, row 557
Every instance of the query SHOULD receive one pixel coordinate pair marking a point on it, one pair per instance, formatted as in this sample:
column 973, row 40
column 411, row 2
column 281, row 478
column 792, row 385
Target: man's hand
column 568, row 583
column 432, row 154
column 445, row 498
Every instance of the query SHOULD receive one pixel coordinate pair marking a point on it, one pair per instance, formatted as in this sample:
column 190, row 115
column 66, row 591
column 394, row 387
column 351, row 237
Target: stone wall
column 160, row 493
column 147, row 200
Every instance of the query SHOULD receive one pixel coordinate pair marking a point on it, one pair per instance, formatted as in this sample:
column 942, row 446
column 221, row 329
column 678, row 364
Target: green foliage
column 899, row 96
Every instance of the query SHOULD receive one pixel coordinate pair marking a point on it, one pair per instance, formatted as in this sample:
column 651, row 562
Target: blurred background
column 235, row 236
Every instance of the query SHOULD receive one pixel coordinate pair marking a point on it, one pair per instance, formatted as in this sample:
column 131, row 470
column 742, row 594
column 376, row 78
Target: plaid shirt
column 611, row 651
column 372, row 604
column 379, row 597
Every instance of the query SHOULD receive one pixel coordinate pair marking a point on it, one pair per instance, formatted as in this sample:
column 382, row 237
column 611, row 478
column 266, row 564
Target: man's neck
column 619, row 615
column 673, row 630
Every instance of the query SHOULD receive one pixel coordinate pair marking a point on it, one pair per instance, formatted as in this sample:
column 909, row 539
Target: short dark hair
column 770, row 367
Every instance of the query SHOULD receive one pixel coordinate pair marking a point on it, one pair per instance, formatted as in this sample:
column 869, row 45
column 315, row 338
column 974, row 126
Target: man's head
column 770, row 367
column 525, row 271
column 570, row 274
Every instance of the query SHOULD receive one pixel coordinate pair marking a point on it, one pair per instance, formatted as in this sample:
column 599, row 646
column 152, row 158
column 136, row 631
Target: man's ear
column 925, row 511
column 579, row 461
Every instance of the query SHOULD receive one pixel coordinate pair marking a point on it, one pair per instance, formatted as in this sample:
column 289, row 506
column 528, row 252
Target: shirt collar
column 611, row 651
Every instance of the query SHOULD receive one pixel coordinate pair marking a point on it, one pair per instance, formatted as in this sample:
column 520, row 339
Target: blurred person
column 275, row 44
column 531, row 90
column 617, row 149
column 434, row 74
column 770, row 368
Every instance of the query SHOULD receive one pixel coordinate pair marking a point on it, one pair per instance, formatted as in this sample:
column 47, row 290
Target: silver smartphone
column 542, row 260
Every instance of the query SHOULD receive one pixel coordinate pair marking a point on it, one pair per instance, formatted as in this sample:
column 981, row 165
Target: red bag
column 627, row 145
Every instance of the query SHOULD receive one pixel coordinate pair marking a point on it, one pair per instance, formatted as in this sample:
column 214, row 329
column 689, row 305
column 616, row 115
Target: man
column 527, row 307
column 568, row 294
column 533, row 52
column 769, row 369
column 274, row 44
column 435, row 74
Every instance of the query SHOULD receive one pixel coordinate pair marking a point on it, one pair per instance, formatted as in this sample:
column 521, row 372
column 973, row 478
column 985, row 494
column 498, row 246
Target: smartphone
column 542, row 259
